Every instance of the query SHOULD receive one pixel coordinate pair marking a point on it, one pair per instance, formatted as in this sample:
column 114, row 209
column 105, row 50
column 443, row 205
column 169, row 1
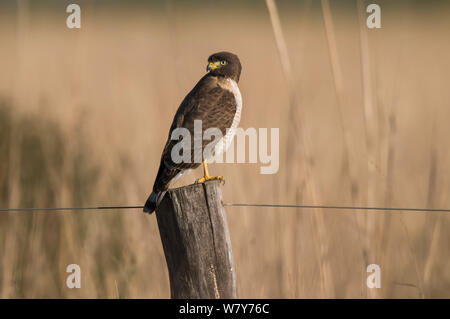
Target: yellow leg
column 205, row 169
column 206, row 176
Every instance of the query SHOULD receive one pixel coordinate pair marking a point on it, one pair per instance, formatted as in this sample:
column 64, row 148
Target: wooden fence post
column 196, row 242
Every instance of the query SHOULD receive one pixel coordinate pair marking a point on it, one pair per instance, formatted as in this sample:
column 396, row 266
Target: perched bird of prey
column 217, row 101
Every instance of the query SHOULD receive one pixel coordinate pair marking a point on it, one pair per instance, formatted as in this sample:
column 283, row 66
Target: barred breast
column 225, row 142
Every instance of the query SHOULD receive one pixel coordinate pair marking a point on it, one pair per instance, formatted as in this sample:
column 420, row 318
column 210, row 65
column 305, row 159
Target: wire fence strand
column 35, row 209
column 435, row 210
column 352, row 208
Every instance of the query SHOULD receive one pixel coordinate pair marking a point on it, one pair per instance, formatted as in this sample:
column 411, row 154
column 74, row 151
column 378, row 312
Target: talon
column 206, row 176
column 210, row 178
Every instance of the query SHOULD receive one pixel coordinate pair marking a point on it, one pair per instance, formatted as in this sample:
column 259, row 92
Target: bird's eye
column 223, row 62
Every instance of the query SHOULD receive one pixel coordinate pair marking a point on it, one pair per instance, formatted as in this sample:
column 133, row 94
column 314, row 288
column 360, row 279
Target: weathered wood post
column 196, row 242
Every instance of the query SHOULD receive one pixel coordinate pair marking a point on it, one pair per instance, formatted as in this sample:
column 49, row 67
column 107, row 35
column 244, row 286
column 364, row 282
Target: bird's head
column 224, row 64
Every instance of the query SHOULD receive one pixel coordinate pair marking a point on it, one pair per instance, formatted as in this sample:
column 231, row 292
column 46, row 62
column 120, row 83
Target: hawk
column 215, row 100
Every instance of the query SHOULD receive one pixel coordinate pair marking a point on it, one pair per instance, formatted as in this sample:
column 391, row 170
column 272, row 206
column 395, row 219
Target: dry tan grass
column 98, row 103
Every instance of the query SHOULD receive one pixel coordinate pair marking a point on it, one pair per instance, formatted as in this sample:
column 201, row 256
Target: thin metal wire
column 378, row 209
column 434, row 210
column 68, row 208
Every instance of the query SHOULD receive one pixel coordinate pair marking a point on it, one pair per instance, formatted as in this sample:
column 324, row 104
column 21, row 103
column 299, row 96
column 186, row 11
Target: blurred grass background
column 84, row 115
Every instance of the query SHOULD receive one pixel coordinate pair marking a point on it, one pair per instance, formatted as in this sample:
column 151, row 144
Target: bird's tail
column 153, row 201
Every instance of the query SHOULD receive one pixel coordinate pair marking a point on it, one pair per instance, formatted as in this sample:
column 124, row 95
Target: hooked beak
column 212, row 66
